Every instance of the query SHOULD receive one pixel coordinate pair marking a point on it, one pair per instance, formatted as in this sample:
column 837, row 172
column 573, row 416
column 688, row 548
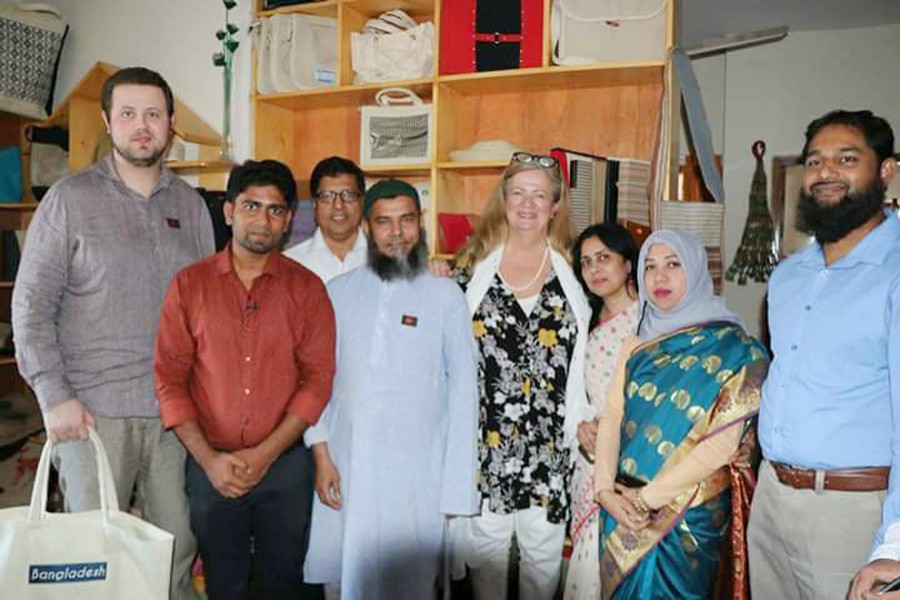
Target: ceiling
column 703, row 20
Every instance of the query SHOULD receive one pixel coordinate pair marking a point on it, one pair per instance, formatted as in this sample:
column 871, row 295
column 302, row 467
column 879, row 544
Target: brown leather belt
column 870, row 479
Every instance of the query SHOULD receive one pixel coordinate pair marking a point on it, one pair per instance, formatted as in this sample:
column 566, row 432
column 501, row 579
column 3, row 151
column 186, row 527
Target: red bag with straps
column 490, row 35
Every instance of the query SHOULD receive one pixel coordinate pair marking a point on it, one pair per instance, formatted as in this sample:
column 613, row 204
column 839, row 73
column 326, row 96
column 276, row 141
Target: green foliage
column 227, row 36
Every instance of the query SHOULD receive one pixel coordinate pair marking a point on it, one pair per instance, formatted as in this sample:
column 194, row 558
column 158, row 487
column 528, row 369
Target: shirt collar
column 224, row 265
column 107, row 168
column 319, row 243
column 872, row 249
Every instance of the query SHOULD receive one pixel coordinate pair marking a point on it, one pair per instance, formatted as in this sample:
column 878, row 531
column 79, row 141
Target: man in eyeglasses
column 338, row 245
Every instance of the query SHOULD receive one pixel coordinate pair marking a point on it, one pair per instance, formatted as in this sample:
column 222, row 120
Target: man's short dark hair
column 335, row 166
column 878, row 133
column 260, row 174
column 135, row 76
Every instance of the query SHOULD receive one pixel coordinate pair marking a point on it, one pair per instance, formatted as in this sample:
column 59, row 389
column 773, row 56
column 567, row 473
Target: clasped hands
column 626, row 506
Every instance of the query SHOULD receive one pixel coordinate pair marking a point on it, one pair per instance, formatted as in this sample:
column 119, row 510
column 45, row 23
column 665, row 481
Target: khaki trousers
column 807, row 544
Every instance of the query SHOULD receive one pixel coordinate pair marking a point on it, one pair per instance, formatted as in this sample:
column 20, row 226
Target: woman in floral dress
column 605, row 260
column 530, row 319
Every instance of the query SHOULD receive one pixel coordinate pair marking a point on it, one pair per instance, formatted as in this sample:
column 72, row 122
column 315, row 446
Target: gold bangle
column 640, row 504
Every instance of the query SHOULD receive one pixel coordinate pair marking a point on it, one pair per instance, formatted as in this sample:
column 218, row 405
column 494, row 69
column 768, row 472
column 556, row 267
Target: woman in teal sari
column 675, row 441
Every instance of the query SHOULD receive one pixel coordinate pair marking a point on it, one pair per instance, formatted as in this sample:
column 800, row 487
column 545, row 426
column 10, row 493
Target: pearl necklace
column 522, row 288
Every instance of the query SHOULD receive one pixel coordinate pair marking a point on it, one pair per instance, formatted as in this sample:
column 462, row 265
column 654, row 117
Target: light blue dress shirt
column 832, row 396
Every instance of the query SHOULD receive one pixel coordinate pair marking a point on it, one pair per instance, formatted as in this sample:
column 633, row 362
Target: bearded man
column 830, row 413
column 395, row 450
column 102, row 248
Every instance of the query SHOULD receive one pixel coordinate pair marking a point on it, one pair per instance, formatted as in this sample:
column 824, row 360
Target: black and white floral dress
column 522, row 373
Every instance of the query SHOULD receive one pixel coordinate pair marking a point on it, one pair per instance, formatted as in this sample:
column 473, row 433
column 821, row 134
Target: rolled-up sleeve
column 37, row 295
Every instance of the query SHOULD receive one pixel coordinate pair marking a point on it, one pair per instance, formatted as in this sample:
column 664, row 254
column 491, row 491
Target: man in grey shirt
column 101, row 251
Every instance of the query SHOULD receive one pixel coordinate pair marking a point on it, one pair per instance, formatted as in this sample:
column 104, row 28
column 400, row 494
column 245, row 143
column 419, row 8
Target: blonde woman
column 530, row 319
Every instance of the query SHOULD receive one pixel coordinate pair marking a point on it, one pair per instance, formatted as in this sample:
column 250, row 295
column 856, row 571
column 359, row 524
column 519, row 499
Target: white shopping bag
column 102, row 554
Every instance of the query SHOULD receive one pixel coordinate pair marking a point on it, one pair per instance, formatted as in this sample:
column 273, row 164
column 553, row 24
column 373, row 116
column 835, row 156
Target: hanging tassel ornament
column 756, row 256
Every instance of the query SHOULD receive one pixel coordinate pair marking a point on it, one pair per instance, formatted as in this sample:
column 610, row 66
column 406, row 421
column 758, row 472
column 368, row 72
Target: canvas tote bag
column 394, row 53
column 705, row 219
column 102, row 554
column 589, row 31
column 397, row 130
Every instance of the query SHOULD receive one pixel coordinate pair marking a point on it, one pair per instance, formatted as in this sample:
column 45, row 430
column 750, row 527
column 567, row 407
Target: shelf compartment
column 608, row 120
column 465, row 190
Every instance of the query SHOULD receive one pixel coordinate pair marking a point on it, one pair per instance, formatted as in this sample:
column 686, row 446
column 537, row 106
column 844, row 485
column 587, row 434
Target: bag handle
column 39, row 7
column 568, row 12
column 395, row 96
column 109, row 500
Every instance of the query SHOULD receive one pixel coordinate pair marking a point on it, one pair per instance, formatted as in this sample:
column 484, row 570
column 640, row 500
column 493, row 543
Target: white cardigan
column 577, row 407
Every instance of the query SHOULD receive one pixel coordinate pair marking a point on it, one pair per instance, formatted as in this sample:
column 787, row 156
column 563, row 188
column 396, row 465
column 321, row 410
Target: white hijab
column 699, row 304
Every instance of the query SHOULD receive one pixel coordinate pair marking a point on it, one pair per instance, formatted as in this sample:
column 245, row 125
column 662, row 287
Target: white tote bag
column 589, row 31
column 396, row 56
column 313, row 51
column 280, row 53
column 102, row 554
column 397, row 130
column 263, row 39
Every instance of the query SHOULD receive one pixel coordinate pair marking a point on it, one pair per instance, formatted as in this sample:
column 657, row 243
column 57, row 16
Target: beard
column 260, row 247
column 143, row 159
column 832, row 222
column 389, row 268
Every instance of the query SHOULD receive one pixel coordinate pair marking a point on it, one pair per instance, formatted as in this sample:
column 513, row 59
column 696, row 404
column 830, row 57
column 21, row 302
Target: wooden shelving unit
column 609, row 109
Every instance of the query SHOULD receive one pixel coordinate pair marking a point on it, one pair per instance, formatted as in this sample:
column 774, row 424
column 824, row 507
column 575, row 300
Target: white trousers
column 540, row 553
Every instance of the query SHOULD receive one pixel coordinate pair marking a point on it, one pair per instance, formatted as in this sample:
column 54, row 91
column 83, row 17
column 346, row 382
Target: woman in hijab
column 675, row 440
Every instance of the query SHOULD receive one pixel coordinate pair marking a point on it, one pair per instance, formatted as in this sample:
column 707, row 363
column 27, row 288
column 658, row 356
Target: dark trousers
column 275, row 515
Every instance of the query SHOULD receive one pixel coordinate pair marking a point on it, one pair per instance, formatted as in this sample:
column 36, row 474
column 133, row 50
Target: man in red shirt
column 244, row 364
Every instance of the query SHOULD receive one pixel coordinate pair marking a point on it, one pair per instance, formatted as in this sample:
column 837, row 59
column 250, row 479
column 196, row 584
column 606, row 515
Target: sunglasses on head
column 545, row 162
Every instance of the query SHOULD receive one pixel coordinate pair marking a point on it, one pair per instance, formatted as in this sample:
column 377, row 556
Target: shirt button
column 807, row 307
column 246, row 359
column 246, row 391
column 824, row 272
column 793, row 346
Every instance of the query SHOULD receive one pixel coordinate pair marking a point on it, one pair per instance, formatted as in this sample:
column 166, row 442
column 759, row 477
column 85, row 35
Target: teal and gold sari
column 680, row 390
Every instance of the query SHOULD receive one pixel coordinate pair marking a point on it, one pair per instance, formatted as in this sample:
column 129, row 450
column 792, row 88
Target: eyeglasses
column 546, row 162
column 329, row 196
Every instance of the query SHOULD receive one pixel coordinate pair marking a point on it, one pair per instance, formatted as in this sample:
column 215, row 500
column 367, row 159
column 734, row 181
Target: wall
column 771, row 92
column 174, row 37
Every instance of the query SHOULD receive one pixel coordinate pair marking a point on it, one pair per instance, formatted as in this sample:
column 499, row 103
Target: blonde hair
column 492, row 228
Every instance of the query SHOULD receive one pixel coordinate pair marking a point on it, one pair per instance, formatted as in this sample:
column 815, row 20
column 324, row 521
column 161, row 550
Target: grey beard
column 389, row 268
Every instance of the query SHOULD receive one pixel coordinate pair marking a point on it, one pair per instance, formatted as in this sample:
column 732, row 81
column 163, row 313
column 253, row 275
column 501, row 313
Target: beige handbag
column 397, row 130
column 590, row 31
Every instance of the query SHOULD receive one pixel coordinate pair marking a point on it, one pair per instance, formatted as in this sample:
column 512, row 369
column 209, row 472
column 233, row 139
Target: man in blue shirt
column 830, row 414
